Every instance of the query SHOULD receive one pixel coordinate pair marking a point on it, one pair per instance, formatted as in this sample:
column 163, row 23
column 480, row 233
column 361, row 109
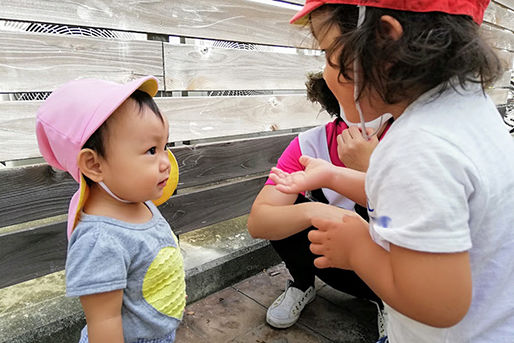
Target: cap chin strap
column 104, row 186
column 356, row 71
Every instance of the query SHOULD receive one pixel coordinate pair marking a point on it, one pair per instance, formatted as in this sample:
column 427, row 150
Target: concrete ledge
column 221, row 273
column 214, row 258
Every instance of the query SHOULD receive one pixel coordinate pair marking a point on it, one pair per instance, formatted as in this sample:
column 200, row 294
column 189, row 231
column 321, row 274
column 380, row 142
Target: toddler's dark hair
column 97, row 139
column 318, row 91
column 435, row 49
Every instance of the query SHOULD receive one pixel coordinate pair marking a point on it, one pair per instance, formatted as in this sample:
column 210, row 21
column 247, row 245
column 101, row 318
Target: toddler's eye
column 151, row 151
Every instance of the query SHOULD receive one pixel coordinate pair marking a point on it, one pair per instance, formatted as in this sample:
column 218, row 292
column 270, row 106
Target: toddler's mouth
column 162, row 184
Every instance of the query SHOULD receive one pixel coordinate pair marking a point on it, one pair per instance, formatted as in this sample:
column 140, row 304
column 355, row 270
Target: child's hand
column 353, row 150
column 335, row 240
column 315, row 175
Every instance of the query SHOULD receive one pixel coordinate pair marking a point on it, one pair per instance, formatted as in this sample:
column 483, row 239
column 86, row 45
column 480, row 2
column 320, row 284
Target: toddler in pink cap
column 123, row 260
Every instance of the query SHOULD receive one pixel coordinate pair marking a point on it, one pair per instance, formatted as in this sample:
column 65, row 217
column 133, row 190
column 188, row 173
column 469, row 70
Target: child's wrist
column 309, row 211
column 332, row 176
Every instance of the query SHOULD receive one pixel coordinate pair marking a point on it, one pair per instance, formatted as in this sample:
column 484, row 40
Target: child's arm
column 432, row 288
column 319, row 173
column 103, row 316
column 275, row 216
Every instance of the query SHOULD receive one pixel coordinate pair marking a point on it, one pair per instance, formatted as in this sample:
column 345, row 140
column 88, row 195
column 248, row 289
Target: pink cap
column 70, row 115
column 473, row 8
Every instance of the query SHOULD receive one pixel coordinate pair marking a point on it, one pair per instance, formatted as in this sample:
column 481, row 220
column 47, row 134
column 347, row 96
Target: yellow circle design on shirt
column 164, row 284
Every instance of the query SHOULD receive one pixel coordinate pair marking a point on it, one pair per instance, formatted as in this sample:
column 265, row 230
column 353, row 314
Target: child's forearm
column 106, row 331
column 103, row 316
column 275, row 222
column 349, row 183
column 434, row 289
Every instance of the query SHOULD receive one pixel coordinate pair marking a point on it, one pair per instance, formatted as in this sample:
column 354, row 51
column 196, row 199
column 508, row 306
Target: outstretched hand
column 335, row 241
column 316, row 175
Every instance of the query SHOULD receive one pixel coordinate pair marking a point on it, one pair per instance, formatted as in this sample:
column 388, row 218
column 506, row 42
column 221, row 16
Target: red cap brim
column 301, row 17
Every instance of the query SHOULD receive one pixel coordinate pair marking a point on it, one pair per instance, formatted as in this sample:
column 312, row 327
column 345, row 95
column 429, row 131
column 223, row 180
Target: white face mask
column 374, row 124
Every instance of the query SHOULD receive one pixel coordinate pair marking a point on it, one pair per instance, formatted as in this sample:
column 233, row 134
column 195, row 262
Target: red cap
column 473, row 8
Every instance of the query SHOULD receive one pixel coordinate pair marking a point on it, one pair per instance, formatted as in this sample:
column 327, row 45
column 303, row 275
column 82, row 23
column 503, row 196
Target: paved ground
column 237, row 314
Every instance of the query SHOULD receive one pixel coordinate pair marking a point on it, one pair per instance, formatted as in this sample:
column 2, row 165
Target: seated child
column 285, row 220
column 123, row 260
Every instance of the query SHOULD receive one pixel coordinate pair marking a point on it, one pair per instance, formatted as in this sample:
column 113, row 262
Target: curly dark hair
column 435, row 49
column 318, row 91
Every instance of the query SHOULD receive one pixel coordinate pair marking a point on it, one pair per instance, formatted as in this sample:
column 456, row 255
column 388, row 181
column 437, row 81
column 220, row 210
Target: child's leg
column 294, row 251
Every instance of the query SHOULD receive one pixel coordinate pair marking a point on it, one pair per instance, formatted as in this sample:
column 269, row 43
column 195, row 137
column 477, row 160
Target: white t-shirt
column 314, row 143
column 442, row 180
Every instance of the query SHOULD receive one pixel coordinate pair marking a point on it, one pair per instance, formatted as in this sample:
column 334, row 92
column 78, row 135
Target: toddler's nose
column 165, row 161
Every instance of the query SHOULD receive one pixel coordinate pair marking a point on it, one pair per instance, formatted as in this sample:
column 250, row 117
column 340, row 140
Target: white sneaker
column 381, row 323
column 286, row 309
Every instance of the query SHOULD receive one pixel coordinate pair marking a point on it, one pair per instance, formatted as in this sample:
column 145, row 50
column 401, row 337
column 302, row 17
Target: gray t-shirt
column 105, row 254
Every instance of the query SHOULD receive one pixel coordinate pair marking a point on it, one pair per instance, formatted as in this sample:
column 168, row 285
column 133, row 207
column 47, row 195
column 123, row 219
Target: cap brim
column 77, row 204
column 149, row 85
column 172, row 182
column 302, row 17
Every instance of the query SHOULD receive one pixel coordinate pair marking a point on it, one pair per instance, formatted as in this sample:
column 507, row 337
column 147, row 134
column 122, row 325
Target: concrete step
column 215, row 257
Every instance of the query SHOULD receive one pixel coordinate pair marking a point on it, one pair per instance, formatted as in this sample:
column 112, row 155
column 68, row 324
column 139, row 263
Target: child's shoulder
column 91, row 228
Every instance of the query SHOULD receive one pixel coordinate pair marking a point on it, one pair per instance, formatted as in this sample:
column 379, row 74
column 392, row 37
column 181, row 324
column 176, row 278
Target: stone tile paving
column 237, row 314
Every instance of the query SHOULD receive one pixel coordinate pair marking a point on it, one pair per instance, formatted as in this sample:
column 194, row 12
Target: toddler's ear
column 90, row 164
column 391, row 26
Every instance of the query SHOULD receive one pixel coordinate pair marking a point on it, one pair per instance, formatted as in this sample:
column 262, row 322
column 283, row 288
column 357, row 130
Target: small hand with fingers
column 316, row 172
column 335, row 241
column 354, row 150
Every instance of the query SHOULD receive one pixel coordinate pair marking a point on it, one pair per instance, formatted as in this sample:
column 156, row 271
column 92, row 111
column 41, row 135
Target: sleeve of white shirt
column 418, row 188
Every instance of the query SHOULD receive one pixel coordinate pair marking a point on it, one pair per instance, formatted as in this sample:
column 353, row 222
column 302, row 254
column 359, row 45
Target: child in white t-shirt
column 439, row 248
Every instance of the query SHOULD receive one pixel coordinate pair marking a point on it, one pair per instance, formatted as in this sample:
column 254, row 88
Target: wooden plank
column 36, row 192
column 210, row 163
column 206, row 207
column 504, row 80
column 206, row 68
column 190, row 118
column 233, row 20
column 506, row 3
column 498, row 38
column 32, row 253
column 36, row 252
column 41, row 62
column 498, row 95
column 499, row 15
column 507, row 58
column 30, row 193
